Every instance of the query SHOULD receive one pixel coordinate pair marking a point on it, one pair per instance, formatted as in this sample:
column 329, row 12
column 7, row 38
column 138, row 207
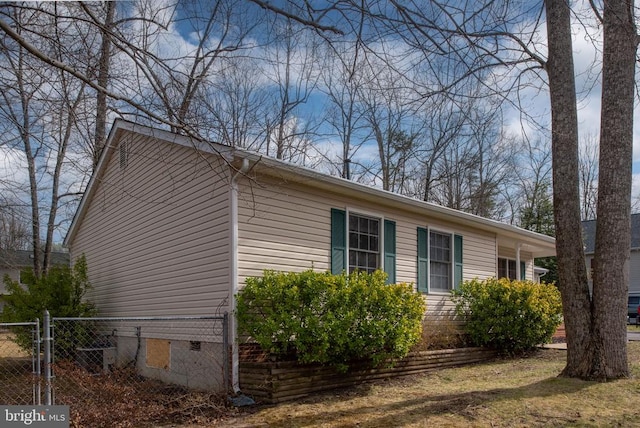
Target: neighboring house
column 173, row 226
column 589, row 232
column 14, row 262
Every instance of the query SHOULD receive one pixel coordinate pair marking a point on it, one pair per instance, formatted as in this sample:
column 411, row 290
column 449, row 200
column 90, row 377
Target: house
column 589, row 235
column 14, row 262
column 173, row 226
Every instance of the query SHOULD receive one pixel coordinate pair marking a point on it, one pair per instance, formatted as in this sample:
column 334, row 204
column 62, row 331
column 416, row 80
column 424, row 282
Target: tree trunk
column 612, row 249
column 596, row 326
column 25, row 135
column 103, row 80
column 572, row 272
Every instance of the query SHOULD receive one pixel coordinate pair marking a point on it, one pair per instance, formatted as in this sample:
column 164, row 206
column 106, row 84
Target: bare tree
column 238, row 104
column 534, row 184
column 14, row 225
column 103, row 72
column 588, row 172
column 444, row 126
column 38, row 106
column 171, row 79
column 389, row 116
column 290, row 58
column 341, row 80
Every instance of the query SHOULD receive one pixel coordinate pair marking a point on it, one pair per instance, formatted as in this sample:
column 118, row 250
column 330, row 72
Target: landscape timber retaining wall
column 274, row 382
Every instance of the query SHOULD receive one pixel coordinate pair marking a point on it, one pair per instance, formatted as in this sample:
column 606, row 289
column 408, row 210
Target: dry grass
column 504, row 393
column 122, row 399
column 9, row 348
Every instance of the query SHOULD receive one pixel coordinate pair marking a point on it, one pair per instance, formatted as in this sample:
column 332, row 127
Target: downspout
column 233, row 326
column 518, row 273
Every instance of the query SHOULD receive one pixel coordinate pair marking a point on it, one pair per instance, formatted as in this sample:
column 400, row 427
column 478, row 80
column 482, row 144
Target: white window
column 506, row 268
column 364, row 243
column 440, row 266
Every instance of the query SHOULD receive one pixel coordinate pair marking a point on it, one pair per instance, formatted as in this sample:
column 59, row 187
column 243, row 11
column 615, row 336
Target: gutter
column 233, row 325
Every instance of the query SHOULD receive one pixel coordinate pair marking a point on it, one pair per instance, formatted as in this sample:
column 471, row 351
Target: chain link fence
column 20, row 380
column 140, row 371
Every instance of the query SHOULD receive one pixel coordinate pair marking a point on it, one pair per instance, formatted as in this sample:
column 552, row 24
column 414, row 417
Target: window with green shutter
column 439, row 261
column 439, row 264
column 356, row 243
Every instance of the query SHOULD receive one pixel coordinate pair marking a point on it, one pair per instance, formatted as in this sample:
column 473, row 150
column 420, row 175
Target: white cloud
column 13, row 168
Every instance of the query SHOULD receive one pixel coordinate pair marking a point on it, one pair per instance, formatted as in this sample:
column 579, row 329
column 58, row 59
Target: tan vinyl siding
column 528, row 259
column 280, row 228
column 287, row 227
column 439, row 308
column 156, row 234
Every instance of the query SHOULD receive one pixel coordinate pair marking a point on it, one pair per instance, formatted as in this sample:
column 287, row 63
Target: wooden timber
column 278, row 381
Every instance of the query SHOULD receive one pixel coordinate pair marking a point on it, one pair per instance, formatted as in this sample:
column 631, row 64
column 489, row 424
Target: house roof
column 539, row 245
column 24, row 258
column 589, row 234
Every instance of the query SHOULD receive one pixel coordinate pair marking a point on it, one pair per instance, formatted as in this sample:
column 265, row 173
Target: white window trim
column 451, row 233
column 365, row 213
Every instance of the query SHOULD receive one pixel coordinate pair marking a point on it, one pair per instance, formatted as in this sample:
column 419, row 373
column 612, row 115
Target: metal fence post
column 225, row 353
column 48, row 401
column 38, row 368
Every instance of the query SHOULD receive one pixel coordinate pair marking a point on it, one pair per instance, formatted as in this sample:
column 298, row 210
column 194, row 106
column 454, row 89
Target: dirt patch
column 9, row 348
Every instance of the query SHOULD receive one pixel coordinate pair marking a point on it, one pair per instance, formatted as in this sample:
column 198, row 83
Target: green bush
column 60, row 291
column 512, row 316
column 330, row 319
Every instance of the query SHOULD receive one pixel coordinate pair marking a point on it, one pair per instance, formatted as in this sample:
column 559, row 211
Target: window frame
column 523, row 269
column 508, row 260
column 451, row 285
column 387, row 242
column 423, row 261
column 380, row 252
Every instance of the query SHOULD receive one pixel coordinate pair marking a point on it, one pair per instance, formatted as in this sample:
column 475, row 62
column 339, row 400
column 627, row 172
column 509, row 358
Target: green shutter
column 338, row 241
column 390, row 250
column 457, row 262
column 423, row 260
column 523, row 271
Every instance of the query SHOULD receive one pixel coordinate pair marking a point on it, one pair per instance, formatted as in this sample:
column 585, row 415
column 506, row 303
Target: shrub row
column 330, row 319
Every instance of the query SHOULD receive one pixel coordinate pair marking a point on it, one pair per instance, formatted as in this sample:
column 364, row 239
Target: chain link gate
column 20, row 364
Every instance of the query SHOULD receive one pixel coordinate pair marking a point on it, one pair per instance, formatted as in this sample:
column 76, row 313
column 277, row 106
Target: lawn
column 504, row 393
